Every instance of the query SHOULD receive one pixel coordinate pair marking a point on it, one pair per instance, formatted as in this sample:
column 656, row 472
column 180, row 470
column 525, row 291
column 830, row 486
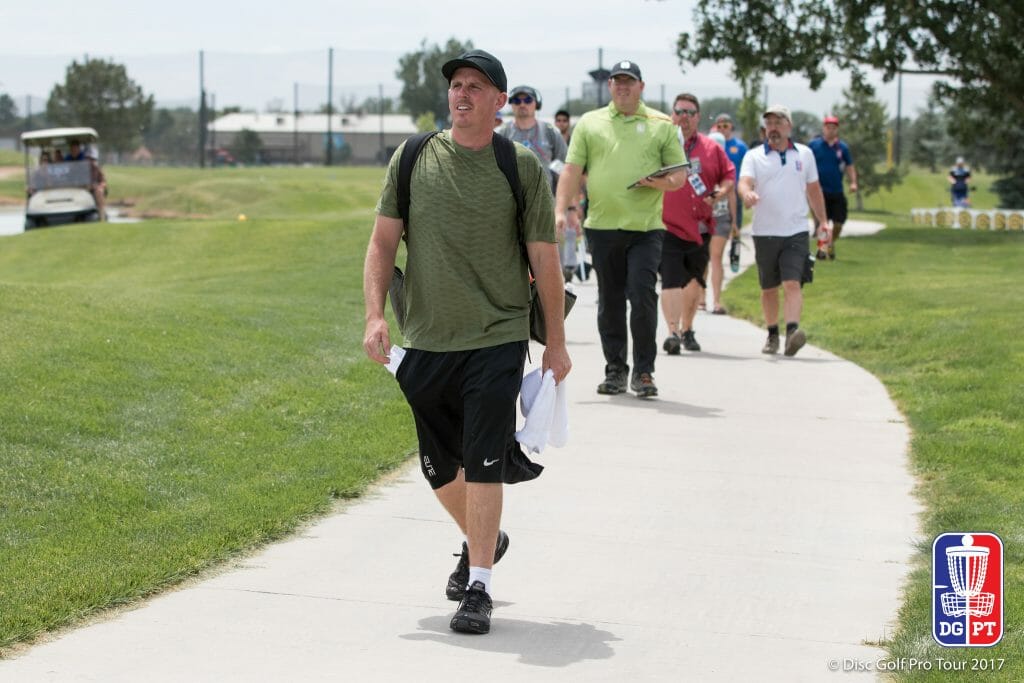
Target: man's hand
column 377, row 341
column 750, row 198
column 556, row 359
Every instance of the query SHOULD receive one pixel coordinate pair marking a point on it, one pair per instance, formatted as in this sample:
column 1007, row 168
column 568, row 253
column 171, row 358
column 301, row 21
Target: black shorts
column 780, row 258
column 682, row 261
column 835, row 208
column 464, row 405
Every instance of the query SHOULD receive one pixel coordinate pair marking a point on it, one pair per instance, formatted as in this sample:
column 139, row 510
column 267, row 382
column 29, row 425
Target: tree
column 247, row 147
column 805, row 126
column 171, row 135
column 930, row 144
column 99, row 94
column 864, row 126
column 8, row 111
column 424, row 88
column 750, row 108
column 976, row 44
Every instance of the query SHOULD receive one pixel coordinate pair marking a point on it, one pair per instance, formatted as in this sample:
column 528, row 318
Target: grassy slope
column 175, row 392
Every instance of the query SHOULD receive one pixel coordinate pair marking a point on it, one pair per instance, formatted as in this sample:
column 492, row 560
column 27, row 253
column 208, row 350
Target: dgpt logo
column 967, row 589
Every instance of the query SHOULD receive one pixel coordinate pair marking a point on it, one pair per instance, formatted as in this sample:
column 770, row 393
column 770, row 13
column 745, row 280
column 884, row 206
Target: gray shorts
column 723, row 226
column 780, row 258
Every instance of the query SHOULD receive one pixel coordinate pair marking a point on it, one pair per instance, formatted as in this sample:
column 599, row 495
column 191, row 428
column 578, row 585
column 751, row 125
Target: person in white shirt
column 780, row 178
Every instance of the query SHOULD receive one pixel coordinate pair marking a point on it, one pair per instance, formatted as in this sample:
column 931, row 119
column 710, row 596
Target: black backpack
column 504, row 154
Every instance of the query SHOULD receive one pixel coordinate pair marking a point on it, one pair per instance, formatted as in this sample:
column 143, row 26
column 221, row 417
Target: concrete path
column 752, row 523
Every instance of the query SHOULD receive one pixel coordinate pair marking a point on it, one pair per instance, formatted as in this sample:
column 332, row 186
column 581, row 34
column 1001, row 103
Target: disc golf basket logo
column 971, row 614
column 967, row 566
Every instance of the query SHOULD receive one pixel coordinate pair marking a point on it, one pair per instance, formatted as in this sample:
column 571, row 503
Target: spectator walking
column 467, row 314
column 726, row 228
column 621, row 145
column 833, row 159
column 780, row 178
column 549, row 146
column 735, row 149
column 958, row 177
column 562, row 124
column 684, row 255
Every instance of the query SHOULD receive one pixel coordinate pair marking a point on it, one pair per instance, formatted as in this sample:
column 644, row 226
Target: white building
column 287, row 139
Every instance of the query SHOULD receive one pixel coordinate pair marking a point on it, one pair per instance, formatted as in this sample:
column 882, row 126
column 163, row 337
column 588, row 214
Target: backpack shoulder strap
column 505, row 155
column 411, row 151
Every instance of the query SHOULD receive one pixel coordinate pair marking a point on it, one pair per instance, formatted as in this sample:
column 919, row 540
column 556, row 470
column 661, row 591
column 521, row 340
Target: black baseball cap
column 626, row 67
column 484, row 62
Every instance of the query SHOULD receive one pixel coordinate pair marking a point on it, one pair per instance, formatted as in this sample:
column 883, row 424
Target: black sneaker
column 643, row 385
column 832, row 252
column 690, row 341
column 460, row 577
column 795, row 341
column 672, row 345
column 474, row 613
column 772, row 345
column 821, row 255
column 614, row 383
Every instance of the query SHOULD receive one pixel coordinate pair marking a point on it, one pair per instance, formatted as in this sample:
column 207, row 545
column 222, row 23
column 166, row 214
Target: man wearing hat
column 537, row 136
column 547, row 143
column 780, row 178
column 735, row 149
column 832, row 156
column 620, row 146
column 467, row 314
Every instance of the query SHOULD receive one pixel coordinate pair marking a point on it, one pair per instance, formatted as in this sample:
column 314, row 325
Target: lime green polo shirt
column 617, row 150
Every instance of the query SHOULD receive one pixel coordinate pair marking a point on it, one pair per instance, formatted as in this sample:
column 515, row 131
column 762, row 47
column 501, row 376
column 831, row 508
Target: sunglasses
column 525, row 99
column 686, row 112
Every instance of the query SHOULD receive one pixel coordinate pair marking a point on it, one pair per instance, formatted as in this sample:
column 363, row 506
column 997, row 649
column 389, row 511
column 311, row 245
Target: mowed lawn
column 175, row 392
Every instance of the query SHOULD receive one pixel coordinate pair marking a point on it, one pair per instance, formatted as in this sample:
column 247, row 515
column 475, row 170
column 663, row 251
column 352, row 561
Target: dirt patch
column 8, row 171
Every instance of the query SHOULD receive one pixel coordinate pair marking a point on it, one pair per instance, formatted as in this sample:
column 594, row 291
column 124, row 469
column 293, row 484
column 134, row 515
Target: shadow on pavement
column 549, row 644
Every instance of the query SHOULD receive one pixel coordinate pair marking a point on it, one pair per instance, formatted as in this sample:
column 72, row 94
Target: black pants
column 626, row 263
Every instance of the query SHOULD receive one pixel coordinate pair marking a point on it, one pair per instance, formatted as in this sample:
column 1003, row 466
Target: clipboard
column 663, row 171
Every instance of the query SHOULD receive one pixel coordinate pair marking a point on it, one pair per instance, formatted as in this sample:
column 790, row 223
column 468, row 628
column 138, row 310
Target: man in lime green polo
column 620, row 146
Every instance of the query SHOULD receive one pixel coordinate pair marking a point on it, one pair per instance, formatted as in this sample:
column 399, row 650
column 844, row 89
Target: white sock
column 482, row 575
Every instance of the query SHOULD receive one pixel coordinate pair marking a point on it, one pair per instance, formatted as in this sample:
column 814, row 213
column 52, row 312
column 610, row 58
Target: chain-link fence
column 290, row 89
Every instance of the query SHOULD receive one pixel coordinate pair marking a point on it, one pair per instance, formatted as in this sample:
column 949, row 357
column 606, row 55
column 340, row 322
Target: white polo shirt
column 780, row 181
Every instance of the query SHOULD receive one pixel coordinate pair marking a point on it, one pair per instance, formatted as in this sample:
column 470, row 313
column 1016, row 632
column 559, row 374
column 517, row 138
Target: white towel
column 395, row 359
column 546, row 411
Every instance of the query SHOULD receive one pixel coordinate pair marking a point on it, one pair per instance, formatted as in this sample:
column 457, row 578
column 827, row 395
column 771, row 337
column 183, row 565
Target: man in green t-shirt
column 467, row 315
column 620, row 146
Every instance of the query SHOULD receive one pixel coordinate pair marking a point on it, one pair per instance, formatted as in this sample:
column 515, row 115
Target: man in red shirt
column 689, row 220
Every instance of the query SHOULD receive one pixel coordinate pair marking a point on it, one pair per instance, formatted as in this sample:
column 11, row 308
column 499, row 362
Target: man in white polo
column 780, row 178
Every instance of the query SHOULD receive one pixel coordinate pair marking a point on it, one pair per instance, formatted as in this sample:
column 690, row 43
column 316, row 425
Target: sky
column 261, row 55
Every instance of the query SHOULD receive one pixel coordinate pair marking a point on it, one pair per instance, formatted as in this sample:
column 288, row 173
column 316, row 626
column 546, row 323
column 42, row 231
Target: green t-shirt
column 466, row 280
column 617, row 150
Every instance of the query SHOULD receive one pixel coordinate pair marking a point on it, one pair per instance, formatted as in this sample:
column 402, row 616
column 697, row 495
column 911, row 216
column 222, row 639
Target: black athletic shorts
column 464, row 405
column 780, row 258
column 835, row 208
column 682, row 261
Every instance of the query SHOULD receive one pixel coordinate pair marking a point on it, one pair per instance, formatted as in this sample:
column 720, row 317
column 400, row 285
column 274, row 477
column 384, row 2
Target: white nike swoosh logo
column 488, row 463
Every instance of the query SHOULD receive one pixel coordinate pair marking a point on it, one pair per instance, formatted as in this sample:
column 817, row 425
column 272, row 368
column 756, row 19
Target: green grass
column 11, row 157
column 936, row 315
column 174, row 393
column 921, row 189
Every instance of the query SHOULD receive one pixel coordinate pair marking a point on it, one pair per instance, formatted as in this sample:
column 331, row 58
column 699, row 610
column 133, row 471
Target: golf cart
column 60, row 188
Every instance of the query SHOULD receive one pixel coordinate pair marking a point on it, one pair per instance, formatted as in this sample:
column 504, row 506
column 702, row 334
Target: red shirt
column 683, row 211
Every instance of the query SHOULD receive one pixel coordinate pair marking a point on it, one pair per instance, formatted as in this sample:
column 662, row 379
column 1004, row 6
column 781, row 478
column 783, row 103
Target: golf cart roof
column 60, row 136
